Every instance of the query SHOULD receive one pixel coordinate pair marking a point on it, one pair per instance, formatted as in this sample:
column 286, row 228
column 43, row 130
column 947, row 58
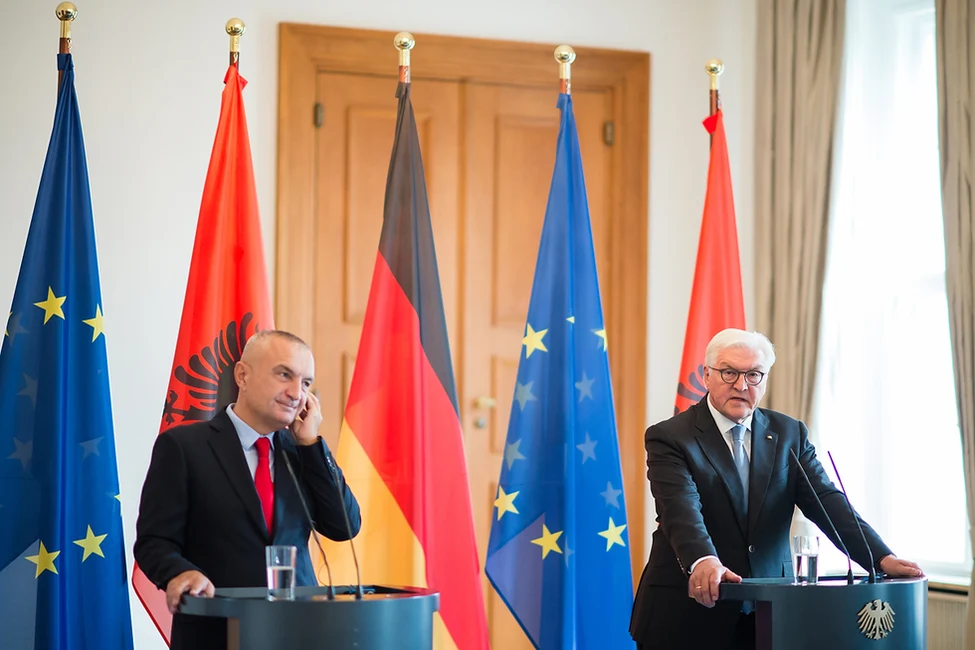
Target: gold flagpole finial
column 404, row 42
column 714, row 68
column 235, row 28
column 565, row 55
column 66, row 12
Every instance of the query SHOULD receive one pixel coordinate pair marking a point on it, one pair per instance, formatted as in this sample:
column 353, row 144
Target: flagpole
column 235, row 27
column 66, row 13
column 404, row 42
column 565, row 55
column 714, row 68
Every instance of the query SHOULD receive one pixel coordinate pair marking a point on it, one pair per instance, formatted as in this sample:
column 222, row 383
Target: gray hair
column 735, row 338
column 259, row 338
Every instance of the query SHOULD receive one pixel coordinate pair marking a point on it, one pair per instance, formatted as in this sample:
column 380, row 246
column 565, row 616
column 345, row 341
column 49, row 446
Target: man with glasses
column 725, row 488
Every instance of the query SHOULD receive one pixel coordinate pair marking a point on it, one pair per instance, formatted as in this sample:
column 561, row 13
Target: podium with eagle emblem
column 889, row 614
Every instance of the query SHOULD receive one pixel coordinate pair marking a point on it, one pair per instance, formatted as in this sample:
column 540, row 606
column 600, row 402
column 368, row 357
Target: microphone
column 311, row 522
column 872, row 572
column 849, row 566
column 345, row 515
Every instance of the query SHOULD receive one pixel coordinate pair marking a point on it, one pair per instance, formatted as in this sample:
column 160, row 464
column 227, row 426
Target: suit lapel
column 764, row 443
column 716, row 449
column 230, row 455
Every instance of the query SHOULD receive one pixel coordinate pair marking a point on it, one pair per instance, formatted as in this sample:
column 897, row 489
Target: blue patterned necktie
column 741, row 462
column 741, row 458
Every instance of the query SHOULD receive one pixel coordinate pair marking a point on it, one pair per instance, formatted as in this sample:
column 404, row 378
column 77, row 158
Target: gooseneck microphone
column 333, row 470
column 870, row 570
column 308, row 518
column 849, row 566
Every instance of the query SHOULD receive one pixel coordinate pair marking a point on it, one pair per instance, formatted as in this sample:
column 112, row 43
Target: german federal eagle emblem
column 876, row 619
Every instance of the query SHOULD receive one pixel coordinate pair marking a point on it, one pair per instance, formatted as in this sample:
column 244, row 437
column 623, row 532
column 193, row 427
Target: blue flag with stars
column 559, row 553
column 62, row 559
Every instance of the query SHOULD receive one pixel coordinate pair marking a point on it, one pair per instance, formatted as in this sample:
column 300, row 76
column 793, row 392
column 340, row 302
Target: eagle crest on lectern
column 876, row 619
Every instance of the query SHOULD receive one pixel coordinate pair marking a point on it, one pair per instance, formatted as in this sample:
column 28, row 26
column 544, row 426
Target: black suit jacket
column 200, row 511
column 701, row 510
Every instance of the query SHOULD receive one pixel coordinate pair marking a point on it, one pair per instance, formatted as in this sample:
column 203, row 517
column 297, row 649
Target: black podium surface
column 887, row 615
column 386, row 617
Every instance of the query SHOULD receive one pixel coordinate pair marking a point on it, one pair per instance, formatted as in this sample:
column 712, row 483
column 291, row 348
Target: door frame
column 306, row 50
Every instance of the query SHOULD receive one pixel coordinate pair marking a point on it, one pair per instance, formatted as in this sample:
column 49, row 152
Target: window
column 885, row 397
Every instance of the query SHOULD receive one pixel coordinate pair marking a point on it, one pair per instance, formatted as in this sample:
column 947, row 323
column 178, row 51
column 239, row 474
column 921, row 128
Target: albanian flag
column 226, row 295
column 716, row 297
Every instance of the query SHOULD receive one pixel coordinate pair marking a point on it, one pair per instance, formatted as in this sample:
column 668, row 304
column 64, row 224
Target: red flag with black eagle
column 227, row 297
column 716, row 296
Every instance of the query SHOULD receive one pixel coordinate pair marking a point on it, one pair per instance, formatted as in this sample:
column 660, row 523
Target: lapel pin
column 769, row 437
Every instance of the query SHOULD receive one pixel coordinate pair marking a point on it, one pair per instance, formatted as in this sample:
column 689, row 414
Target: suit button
column 751, row 548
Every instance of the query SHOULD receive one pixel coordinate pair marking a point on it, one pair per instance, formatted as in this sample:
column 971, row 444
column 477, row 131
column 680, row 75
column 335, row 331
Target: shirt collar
column 725, row 424
column 248, row 436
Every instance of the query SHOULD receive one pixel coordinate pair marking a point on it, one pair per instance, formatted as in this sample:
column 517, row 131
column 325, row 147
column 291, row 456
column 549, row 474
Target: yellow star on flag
column 44, row 561
column 533, row 341
column 97, row 323
column 92, row 543
column 548, row 541
column 613, row 534
column 571, row 319
column 601, row 334
column 51, row 306
column 505, row 502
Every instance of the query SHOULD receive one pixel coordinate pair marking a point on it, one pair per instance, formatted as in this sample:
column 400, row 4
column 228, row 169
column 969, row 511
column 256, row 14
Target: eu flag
column 558, row 554
column 62, row 559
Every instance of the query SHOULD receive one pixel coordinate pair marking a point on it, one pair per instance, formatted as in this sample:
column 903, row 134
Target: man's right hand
column 193, row 582
column 703, row 584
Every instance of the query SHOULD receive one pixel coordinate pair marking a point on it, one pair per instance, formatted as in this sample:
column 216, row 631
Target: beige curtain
column 956, row 101
column 799, row 74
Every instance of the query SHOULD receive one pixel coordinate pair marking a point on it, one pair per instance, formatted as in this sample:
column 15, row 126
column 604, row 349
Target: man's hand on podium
column 703, row 584
column 193, row 582
column 895, row 567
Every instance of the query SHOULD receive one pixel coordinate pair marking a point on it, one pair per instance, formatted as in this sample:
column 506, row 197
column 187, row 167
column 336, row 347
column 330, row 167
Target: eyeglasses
column 730, row 375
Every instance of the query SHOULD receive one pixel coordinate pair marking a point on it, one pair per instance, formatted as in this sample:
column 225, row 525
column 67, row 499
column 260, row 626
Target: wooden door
column 353, row 147
column 510, row 134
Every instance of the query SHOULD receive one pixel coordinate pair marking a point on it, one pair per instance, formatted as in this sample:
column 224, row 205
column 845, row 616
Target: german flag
column 716, row 296
column 401, row 445
column 227, row 297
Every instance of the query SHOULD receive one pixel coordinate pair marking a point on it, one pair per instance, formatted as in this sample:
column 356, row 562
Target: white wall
column 149, row 77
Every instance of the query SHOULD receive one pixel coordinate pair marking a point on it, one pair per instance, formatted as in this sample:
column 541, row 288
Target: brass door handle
column 484, row 402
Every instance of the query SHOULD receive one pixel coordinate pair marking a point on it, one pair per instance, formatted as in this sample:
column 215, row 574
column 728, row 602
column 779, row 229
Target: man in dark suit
column 218, row 492
column 725, row 488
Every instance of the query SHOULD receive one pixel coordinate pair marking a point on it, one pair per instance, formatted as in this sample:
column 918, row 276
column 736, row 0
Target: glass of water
column 805, row 553
column 281, row 572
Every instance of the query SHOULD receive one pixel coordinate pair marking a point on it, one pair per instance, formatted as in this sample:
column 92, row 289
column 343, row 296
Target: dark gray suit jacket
column 200, row 511
column 701, row 510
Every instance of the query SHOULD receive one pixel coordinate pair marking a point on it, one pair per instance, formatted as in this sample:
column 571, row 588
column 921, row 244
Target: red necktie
column 262, row 481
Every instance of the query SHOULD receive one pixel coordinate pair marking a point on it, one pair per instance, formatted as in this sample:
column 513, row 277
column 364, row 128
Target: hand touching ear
column 309, row 420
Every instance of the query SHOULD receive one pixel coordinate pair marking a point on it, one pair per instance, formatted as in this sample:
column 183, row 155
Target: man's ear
column 706, row 375
column 240, row 374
